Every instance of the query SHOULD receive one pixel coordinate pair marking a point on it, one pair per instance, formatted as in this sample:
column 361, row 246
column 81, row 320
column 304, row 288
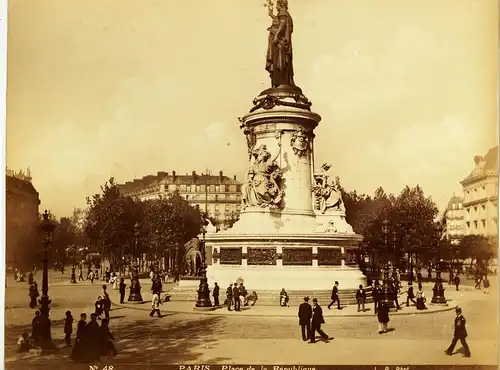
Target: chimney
column 173, row 174
column 194, row 175
column 234, row 177
column 160, row 174
column 221, row 174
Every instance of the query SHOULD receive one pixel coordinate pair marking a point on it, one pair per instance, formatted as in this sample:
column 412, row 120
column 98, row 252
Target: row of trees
column 403, row 230
column 400, row 229
column 120, row 228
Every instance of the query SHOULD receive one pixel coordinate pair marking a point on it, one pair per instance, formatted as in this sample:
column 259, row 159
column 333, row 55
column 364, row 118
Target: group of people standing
column 236, row 296
column 92, row 340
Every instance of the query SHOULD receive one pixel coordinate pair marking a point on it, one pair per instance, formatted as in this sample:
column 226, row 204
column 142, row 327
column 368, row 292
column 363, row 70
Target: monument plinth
column 292, row 232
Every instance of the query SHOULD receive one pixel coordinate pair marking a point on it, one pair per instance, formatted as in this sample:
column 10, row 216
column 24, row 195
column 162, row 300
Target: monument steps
column 271, row 298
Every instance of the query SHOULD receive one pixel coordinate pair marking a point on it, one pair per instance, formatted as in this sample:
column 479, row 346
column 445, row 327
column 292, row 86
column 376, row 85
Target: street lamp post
column 73, row 275
column 387, row 288
column 135, row 286
column 203, row 289
column 47, row 228
column 438, row 290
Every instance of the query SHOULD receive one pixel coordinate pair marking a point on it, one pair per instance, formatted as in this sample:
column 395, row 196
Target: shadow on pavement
column 146, row 341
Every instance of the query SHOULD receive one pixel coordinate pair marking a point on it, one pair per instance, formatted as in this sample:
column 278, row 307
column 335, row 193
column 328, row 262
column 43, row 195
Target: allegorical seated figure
column 261, row 188
column 327, row 195
column 284, row 298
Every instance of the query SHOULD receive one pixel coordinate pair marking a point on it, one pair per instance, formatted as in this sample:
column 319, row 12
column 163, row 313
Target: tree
column 64, row 236
column 109, row 222
column 183, row 224
column 231, row 220
column 478, row 248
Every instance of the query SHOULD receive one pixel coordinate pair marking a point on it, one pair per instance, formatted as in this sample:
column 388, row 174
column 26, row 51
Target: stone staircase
column 271, row 298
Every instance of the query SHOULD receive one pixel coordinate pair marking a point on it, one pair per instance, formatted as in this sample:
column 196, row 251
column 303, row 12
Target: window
column 475, row 224
column 217, row 188
column 484, row 223
column 468, row 224
column 216, row 198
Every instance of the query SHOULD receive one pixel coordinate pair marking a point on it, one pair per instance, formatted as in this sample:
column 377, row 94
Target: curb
column 451, row 306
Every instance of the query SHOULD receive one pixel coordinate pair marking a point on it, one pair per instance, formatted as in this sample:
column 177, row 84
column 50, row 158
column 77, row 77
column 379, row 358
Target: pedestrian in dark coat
column 317, row 320
column 108, row 340
column 92, row 340
column 30, row 278
column 229, row 296
column 459, row 333
column 236, row 297
column 457, row 281
column 98, row 307
column 305, row 314
column 68, row 328
column 35, row 328
column 383, row 317
column 106, row 301
column 33, row 293
column 360, row 298
column 215, row 293
column 78, row 352
column 410, row 295
column 376, row 294
column 122, row 290
column 395, row 289
column 335, row 296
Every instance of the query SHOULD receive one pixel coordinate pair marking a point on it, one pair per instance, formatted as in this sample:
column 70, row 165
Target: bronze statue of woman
column 279, row 49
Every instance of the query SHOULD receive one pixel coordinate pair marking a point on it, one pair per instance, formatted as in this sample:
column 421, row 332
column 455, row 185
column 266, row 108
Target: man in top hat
column 305, row 314
column 317, row 320
column 459, row 333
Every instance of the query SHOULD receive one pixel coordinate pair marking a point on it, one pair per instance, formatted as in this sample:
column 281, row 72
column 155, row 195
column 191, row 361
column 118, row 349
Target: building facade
column 453, row 220
column 480, row 196
column 22, row 217
column 218, row 195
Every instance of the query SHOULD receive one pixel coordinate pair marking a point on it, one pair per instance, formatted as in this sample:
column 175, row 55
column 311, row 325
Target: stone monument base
column 291, row 278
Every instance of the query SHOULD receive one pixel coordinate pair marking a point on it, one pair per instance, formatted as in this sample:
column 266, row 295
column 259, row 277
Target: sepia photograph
column 251, row 184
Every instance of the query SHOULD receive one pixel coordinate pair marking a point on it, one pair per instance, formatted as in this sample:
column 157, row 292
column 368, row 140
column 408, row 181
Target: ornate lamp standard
column 438, row 290
column 135, row 286
column 387, row 288
column 72, row 250
column 47, row 228
column 203, row 289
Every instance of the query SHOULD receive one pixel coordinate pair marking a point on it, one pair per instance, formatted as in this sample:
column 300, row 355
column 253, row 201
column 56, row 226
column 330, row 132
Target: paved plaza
column 261, row 334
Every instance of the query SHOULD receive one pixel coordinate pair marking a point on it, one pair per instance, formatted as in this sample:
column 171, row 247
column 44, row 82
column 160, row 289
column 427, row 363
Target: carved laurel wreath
column 271, row 101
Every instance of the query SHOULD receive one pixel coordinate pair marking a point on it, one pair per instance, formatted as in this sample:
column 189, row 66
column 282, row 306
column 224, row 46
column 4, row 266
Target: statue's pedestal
column 189, row 282
column 288, row 245
column 291, row 261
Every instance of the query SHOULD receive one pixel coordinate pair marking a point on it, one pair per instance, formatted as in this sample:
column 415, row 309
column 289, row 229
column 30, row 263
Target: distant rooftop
column 20, row 175
column 174, row 178
column 486, row 164
column 454, row 200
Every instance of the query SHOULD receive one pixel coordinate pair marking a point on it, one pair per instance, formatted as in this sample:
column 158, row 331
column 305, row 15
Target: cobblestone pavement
column 198, row 338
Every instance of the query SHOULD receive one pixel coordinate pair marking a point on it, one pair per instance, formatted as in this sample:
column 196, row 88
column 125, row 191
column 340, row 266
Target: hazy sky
column 100, row 88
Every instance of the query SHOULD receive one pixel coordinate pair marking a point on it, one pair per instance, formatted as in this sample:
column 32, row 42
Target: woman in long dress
column 420, row 298
column 115, row 281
